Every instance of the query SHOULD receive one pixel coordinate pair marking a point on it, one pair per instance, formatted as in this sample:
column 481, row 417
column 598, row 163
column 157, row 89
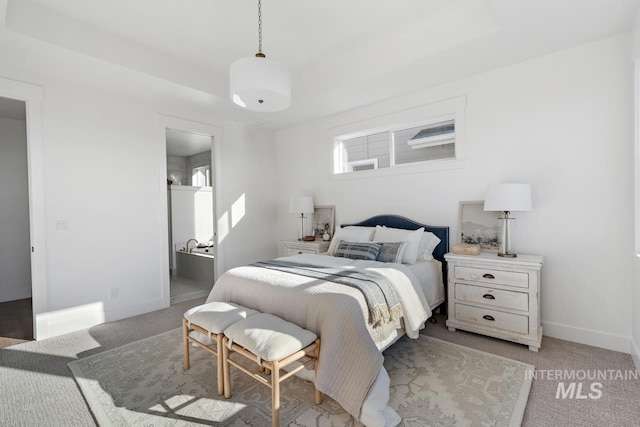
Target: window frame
column 373, row 162
column 206, row 171
column 441, row 111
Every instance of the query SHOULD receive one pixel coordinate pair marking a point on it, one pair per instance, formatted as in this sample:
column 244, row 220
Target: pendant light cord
column 260, row 54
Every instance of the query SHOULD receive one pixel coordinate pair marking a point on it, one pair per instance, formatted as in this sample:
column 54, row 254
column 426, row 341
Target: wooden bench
column 211, row 320
column 273, row 344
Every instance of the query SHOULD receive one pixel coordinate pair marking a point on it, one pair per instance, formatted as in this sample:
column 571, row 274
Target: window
column 201, row 177
column 431, row 140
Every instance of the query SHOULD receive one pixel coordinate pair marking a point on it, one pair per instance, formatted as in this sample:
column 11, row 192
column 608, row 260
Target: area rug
column 433, row 383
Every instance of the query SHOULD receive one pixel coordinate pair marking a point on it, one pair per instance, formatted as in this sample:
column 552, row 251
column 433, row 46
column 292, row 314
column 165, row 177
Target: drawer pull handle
column 488, row 276
column 487, row 317
column 488, row 296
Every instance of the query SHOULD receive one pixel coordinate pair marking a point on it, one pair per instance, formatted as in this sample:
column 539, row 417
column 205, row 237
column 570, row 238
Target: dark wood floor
column 16, row 322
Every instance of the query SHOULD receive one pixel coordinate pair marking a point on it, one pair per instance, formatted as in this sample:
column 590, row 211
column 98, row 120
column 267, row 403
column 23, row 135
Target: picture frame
column 323, row 220
column 479, row 227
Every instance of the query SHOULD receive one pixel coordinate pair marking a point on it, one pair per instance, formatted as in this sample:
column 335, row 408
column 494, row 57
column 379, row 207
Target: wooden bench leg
column 225, row 366
column 219, row 364
column 185, row 343
column 275, row 395
column 316, row 354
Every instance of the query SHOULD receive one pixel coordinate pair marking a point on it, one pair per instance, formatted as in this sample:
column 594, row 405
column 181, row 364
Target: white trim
column 32, row 95
column 67, row 320
column 637, row 153
column 215, row 132
column 404, row 169
column 635, row 354
column 587, row 336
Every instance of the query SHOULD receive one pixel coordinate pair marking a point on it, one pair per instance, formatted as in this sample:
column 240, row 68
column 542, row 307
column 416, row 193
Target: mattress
column 429, row 274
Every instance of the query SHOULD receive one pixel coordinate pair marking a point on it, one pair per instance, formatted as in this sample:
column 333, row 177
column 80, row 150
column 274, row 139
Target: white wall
column 561, row 123
column 15, row 259
column 635, row 295
column 116, row 223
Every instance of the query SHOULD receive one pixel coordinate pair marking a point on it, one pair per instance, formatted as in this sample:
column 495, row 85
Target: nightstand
column 496, row 296
column 294, row 247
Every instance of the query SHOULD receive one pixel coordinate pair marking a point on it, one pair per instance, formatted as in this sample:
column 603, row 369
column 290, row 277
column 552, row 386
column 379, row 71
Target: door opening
column 16, row 307
column 190, row 212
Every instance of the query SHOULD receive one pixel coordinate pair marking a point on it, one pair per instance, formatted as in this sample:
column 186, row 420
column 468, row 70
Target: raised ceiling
column 344, row 54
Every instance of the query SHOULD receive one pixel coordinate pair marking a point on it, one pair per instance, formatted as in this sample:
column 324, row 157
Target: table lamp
column 507, row 198
column 301, row 205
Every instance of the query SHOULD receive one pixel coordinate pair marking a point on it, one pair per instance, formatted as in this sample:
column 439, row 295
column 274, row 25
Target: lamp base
column 507, row 255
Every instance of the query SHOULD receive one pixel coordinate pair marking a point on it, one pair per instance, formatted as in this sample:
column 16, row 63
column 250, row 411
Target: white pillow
column 351, row 233
column 412, row 237
column 428, row 244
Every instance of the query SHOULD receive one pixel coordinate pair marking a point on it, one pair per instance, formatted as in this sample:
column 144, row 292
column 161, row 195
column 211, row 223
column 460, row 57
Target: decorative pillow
column 428, row 244
column 412, row 237
column 392, row 252
column 358, row 250
column 351, row 233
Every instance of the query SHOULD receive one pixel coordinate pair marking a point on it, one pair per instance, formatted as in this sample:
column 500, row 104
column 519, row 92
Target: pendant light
column 260, row 84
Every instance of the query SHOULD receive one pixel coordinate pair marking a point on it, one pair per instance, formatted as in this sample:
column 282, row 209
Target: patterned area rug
column 433, row 383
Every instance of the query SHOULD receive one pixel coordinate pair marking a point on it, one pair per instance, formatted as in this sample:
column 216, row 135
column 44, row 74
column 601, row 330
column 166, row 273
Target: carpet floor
column 38, row 388
column 433, row 382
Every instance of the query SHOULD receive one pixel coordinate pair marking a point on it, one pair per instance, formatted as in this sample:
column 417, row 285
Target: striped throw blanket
column 381, row 297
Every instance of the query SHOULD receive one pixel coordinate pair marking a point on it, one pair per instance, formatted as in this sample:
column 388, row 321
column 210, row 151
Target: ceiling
column 186, row 144
column 343, row 54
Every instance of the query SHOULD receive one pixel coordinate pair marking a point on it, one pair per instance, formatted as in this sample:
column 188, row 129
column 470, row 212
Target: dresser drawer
column 493, row 297
column 490, row 276
column 296, row 251
column 493, row 318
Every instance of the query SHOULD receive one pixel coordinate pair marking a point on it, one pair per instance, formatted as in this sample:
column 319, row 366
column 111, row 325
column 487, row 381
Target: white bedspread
column 347, row 348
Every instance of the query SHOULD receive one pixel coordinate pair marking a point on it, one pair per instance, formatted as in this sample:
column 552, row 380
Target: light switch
column 62, row 225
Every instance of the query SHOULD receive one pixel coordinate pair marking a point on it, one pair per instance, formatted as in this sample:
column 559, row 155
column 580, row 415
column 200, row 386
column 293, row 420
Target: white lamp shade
column 256, row 79
column 302, row 204
column 508, row 197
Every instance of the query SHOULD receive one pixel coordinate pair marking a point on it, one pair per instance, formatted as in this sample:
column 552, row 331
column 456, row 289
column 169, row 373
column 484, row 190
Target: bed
column 340, row 313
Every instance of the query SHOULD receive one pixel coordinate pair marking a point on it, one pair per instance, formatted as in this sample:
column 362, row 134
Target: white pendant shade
column 260, row 84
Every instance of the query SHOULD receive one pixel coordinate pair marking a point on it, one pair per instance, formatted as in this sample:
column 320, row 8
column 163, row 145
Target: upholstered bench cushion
column 269, row 337
column 215, row 317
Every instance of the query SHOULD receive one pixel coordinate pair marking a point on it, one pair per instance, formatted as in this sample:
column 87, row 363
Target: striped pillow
column 357, row 250
column 392, row 251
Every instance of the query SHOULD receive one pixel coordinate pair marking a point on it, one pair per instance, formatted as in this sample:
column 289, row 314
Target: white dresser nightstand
column 295, row 247
column 496, row 296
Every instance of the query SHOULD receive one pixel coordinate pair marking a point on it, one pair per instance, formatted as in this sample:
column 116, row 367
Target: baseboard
column 635, row 354
column 63, row 321
column 73, row 319
column 134, row 309
column 586, row 336
column 12, row 294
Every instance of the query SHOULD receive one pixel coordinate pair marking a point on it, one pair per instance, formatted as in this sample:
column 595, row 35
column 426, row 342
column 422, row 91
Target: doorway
column 190, row 212
column 16, row 308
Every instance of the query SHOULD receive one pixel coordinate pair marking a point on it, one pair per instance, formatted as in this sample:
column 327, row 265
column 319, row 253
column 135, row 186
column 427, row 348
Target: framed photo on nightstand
column 323, row 220
column 479, row 227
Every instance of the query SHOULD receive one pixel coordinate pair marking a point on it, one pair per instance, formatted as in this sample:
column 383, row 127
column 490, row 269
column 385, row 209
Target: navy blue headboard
column 396, row 221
